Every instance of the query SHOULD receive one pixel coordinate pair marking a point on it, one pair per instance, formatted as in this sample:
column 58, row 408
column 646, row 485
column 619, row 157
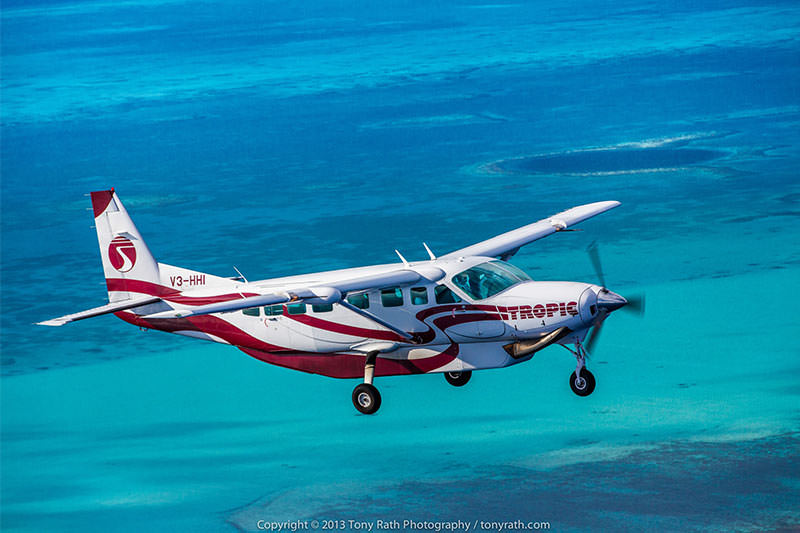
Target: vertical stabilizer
column 127, row 262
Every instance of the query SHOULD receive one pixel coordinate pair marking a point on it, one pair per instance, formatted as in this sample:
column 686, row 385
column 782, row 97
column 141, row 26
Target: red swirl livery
column 466, row 310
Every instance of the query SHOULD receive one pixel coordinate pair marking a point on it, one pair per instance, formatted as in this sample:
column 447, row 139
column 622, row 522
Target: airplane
column 466, row 310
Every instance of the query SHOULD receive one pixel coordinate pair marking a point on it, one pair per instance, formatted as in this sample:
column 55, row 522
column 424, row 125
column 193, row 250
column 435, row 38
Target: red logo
column 539, row 310
column 122, row 254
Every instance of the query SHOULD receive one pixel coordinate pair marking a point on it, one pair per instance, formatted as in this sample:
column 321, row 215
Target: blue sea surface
column 290, row 138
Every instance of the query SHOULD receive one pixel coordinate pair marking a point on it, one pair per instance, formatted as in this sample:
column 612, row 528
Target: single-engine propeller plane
column 466, row 310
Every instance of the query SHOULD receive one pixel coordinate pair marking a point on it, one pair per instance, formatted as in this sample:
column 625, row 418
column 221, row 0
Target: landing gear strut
column 581, row 381
column 366, row 397
column 458, row 379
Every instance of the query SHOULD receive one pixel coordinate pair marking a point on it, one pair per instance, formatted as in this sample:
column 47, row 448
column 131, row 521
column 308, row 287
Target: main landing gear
column 366, row 397
column 581, row 381
column 458, row 379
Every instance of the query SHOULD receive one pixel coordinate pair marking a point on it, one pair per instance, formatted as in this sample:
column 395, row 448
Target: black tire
column 583, row 387
column 366, row 398
column 458, row 379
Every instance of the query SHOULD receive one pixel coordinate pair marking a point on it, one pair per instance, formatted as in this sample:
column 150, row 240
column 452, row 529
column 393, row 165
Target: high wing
column 330, row 293
column 506, row 245
column 102, row 310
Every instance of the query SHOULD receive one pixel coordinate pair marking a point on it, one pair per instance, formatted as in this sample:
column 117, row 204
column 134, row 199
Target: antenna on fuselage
column 403, row 259
column 240, row 274
column 433, row 257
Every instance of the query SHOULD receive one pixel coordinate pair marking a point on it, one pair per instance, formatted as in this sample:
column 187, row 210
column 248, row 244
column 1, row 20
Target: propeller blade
column 592, row 340
column 594, row 255
column 635, row 304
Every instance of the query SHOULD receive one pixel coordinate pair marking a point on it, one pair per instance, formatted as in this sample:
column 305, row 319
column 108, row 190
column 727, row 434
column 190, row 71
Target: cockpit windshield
column 489, row 278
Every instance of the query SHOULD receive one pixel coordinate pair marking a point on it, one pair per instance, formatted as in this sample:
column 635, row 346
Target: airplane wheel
column 582, row 387
column 458, row 379
column 366, row 398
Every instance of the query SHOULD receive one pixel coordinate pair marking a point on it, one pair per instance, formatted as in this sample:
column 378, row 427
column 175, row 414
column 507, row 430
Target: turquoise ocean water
column 288, row 139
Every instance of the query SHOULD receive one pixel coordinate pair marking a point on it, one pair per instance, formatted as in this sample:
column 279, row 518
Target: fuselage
column 461, row 315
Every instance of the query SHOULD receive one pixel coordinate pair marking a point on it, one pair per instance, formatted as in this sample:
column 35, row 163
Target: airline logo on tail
column 122, row 254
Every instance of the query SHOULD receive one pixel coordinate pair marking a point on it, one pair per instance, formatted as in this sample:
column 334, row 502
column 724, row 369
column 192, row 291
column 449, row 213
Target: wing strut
column 370, row 316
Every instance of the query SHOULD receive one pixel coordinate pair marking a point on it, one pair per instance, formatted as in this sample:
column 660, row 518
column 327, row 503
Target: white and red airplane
column 466, row 310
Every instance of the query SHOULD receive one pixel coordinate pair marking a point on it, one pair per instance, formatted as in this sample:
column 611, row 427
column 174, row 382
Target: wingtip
column 609, row 204
column 54, row 322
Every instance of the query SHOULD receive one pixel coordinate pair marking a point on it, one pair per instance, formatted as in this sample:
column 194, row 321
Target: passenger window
column 296, row 309
column 252, row 311
column 445, row 295
column 273, row 310
column 360, row 300
column 419, row 295
column 322, row 308
column 392, row 297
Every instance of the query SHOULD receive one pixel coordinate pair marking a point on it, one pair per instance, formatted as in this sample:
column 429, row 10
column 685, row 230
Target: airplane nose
column 610, row 301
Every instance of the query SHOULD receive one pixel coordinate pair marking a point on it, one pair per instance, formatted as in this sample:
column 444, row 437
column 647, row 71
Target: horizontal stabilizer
column 102, row 310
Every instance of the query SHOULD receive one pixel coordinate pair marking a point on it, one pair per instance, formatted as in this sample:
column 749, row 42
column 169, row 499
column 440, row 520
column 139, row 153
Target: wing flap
column 507, row 244
column 397, row 277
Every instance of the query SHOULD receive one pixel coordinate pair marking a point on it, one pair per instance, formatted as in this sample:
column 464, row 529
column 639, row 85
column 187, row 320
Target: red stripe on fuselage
column 168, row 294
column 447, row 321
column 341, row 365
column 423, row 337
column 204, row 324
column 337, row 365
column 425, row 313
column 344, row 329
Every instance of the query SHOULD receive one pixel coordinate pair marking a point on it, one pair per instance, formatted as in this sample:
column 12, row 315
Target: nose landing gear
column 582, row 384
column 581, row 381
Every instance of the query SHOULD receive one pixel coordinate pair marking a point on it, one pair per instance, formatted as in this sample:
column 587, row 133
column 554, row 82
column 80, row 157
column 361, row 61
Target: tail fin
column 133, row 276
column 124, row 253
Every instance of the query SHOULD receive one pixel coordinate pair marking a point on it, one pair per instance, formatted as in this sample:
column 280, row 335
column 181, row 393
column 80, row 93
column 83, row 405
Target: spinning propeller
column 608, row 301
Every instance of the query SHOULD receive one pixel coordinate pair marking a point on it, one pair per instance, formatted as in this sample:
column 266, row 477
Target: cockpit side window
column 487, row 279
column 444, row 295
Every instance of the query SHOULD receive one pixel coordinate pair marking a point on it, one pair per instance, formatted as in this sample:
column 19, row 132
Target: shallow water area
column 599, row 161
